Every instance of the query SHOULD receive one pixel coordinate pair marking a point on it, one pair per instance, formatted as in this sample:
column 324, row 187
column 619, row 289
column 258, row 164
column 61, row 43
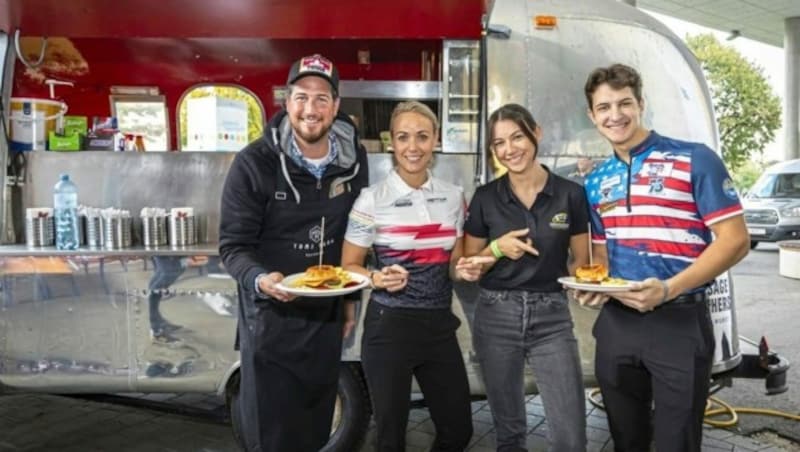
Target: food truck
column 101, row 90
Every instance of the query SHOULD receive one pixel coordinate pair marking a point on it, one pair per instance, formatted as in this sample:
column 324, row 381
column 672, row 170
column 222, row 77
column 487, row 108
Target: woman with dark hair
column 529, row 219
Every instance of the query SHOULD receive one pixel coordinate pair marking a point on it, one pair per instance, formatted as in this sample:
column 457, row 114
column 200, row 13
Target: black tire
column 232, row 401
column 753, row 244
column 353, row 409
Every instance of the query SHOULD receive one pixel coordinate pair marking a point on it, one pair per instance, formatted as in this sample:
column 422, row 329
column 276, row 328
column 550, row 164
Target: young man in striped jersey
column 664, row 214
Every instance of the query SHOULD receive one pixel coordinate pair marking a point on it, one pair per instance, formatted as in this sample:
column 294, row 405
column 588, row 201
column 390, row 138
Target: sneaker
column 218, row 303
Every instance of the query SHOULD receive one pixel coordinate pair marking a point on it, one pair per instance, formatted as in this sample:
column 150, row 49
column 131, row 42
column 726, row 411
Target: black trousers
column 399, row 343
column 662, row 357
column 290, row 358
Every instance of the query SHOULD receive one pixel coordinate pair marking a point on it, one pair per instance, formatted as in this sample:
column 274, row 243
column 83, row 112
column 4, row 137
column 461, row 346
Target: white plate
column 757, row 231
column 309, row 292
column 572, row 283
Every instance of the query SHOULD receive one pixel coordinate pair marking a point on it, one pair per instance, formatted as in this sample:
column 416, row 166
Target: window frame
column 188, row 90
column 143, row 98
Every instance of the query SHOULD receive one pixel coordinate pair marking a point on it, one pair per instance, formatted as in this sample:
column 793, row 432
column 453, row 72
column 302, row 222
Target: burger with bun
column 324, row 277
column 591, row 274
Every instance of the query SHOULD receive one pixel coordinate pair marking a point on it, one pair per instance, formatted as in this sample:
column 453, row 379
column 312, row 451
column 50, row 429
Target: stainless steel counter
column 22, row 250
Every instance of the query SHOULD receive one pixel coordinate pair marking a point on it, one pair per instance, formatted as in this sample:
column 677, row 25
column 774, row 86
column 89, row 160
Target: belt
column 689, row 298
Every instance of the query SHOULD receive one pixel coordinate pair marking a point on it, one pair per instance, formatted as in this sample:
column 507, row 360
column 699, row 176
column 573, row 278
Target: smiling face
column 312, row 109
column 617, row 115
column 413, row 140
column 512, row 147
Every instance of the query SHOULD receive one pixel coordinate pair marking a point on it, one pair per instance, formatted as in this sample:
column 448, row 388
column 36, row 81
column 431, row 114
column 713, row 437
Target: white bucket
column 789, row 258
column 31, row 121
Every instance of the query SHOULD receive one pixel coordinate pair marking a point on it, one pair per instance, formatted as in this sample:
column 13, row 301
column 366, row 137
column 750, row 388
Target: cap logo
column 316, row 63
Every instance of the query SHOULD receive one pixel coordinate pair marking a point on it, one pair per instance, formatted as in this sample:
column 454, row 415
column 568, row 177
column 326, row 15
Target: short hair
column 517, row 114
column 414, row 106
column 618, row 76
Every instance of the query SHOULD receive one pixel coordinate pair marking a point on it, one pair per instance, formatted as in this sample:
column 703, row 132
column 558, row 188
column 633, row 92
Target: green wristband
column 496, row 252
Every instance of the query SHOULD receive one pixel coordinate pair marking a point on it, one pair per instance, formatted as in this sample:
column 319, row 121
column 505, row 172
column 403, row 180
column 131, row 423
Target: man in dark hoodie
column 308, row 165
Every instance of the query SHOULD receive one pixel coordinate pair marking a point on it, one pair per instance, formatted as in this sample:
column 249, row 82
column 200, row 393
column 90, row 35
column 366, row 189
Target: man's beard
column 312, row 138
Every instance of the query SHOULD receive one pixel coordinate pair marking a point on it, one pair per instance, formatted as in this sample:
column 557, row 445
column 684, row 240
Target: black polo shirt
column 559, row 212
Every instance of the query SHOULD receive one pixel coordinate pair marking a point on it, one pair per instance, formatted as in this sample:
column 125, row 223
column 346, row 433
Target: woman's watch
column 371, row 277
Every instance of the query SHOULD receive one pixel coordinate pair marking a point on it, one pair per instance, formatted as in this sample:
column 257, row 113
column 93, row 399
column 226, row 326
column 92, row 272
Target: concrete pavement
column 154, row 423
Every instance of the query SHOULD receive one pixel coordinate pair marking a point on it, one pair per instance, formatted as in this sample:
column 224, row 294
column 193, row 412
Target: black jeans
column 663, row 356
column 399, row 343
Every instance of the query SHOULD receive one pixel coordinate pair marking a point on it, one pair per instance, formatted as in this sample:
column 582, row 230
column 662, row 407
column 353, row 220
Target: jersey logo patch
column 656, row 169
column 656, row 172
column 606, row 207
column 559, row 221
column 729, row 189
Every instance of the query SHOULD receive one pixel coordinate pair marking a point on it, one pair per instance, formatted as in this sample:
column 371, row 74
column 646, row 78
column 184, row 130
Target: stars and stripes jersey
column 654, row 214
column 413, row 228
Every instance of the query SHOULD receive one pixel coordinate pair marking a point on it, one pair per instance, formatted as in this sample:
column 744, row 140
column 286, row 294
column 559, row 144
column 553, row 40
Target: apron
column 290, row 352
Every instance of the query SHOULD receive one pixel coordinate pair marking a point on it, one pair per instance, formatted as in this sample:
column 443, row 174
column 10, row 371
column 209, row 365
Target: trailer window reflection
column 218, row 118
column 143, row 115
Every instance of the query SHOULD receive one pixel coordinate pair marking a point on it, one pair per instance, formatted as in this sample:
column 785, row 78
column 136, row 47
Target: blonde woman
column 412, row 221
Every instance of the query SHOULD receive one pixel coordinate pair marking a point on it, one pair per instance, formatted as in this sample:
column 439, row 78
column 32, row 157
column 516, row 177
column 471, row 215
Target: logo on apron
column 315, row 234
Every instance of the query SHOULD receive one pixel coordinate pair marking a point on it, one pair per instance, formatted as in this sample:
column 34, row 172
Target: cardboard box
column 100, row 142
column 71, row 142
column 75, row 124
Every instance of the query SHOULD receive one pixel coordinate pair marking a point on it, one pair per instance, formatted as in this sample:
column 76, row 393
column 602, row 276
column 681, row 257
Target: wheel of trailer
column 352, row 412
column 753, row 244
column 232, row 402
column 350, row 418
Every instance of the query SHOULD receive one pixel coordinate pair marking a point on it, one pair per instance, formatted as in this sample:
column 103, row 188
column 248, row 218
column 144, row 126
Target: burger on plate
column 591, row 274
column 324, row 277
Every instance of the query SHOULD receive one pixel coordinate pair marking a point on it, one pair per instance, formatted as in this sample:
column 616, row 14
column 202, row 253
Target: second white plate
column 572, row 283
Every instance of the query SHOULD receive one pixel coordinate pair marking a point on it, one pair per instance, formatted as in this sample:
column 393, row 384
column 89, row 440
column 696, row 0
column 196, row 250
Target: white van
column 772, row 205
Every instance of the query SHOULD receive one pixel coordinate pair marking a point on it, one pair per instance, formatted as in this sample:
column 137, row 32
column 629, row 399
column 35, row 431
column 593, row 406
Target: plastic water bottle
column 65, row 207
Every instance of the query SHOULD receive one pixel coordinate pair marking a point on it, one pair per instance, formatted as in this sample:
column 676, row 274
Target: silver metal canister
column 117, row 232
column 94, row 231
column 182, row 231
column 154, row 230
column 39, row 227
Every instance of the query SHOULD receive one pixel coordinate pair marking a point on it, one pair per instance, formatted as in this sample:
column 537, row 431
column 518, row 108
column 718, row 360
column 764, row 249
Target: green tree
column 745, row 176
column 255, row 114
column 748, row 110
